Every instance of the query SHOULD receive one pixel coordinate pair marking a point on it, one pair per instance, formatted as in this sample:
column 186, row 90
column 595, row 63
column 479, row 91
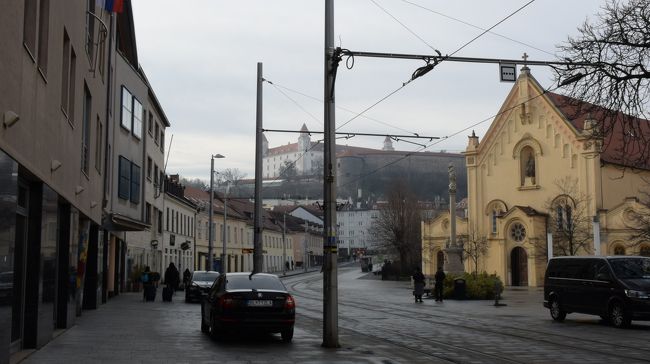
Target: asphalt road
column 378, row 323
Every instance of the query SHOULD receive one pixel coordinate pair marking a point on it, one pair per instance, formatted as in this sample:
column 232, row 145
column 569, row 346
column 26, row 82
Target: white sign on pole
column 507, row 72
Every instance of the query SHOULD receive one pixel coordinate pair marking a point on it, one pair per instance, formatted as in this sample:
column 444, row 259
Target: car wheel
column 287, row 335
column 618, row 317
column 557, row 313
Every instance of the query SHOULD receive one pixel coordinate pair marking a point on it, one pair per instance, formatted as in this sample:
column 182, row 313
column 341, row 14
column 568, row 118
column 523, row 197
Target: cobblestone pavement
column 378, row 321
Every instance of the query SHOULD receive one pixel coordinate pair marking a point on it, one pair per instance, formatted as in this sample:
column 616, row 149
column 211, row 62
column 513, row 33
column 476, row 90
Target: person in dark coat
column 418, row 284
column 172, row 276
column 187, row 275
column 147, row 282
column 440, row 279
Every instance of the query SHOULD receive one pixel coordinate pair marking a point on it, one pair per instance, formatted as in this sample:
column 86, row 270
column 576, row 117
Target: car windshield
column 255, row 282
column 631, row 268
column 205, row 276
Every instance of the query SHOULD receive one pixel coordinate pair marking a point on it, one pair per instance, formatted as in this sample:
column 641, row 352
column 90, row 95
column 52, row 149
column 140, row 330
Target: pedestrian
column 187, row 275
column 384, row 270
column 148, row 288
column 440, row 280
column 287, row 265
column 418, row 284
column 172, row 277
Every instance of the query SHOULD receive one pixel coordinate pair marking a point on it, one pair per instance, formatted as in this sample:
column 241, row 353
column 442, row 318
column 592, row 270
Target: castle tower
column 388, row 144
column 304, row 141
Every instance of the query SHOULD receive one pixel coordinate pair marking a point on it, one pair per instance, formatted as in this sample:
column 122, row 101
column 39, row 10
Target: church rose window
column 518, row 232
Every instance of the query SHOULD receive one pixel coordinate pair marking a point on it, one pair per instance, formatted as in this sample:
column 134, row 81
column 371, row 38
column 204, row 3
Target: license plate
column 260, row 303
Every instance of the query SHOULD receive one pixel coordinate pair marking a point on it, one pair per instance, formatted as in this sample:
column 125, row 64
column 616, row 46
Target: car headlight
column 636, row 294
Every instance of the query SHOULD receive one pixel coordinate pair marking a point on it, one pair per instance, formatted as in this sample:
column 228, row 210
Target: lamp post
column 210, row 212
column 224, row 260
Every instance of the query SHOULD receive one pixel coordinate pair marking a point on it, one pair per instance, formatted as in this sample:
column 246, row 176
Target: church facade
column 539, row 186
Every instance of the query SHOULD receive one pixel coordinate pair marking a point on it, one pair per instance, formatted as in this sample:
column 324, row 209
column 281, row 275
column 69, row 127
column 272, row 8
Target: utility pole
column 258, row 253
column 284, row 243
column 304, row 248
column 330, row 279
column 224, row 253
column 210, row 212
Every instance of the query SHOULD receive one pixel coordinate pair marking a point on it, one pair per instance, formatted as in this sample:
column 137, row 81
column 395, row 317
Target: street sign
column 507, row 72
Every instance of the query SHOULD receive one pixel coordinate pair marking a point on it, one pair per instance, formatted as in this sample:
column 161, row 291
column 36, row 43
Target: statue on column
column 452, row 178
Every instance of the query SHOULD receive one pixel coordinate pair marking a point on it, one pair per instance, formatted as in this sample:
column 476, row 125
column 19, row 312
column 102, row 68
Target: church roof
column 619, row 145
column 304, row 128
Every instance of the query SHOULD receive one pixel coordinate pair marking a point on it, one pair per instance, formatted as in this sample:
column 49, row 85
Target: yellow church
column 539, row 142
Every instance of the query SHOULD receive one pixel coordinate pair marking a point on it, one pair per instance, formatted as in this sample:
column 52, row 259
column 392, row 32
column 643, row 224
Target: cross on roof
column 524, row 57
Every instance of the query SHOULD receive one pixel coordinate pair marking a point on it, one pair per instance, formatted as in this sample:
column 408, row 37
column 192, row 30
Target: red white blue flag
column 114, row 6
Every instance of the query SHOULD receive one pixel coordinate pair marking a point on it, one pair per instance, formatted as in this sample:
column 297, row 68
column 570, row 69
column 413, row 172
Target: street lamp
column 210, row 212
column 224, row 264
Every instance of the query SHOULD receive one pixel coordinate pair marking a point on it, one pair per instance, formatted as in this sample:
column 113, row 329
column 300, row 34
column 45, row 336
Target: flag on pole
column 115, row 6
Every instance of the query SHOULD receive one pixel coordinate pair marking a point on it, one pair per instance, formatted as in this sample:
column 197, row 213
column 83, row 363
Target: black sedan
column 200, row 284
column 245, row 301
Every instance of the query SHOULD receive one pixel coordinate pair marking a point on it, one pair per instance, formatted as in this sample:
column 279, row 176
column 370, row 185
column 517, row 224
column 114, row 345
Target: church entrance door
column 519, row 266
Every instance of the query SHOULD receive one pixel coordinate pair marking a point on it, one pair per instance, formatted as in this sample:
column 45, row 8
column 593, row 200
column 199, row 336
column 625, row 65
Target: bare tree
column 475, row 247
column 232, row 175
column 640, row 224
column 288, row 171
column 195, row 182
column 609, row 67
column 569, row 220
column 398, row 225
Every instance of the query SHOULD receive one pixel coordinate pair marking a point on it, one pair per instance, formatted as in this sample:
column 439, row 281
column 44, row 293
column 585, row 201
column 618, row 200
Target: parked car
column 246, row 301
column 616, row 288
column 200, row 284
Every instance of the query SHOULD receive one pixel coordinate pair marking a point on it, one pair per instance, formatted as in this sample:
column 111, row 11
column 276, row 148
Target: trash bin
column 459, row 289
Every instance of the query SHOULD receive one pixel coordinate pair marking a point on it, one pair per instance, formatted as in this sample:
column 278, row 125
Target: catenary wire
column 320, row 122
column 409, row 154
column 477, row 27
column 403, row 25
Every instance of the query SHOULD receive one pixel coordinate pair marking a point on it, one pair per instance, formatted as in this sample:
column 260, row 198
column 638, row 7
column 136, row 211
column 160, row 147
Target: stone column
column 454, row 250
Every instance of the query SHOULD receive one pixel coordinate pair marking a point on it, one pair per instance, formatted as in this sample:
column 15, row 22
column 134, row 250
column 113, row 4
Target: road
column 378, row 322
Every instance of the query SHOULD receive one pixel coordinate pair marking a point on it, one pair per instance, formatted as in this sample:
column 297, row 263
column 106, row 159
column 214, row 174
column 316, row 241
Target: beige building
column 538, row 140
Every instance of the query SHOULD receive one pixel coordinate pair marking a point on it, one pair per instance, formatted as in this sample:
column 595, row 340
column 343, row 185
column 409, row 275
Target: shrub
column 477, row 287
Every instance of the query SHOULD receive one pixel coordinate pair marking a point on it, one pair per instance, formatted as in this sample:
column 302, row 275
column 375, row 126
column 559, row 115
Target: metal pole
column 330, row 282
column 210, row 212
column 258, row 253
column 284, row 245
column 304, row 248
column 224, row 259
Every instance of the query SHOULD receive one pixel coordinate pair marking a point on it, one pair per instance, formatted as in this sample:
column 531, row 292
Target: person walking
column 440, row 280
column 172, row 277
column 148, row 288
column 187, row 276
column 418, row 284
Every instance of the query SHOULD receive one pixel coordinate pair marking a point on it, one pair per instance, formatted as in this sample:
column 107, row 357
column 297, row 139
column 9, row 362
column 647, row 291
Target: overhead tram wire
column 295, row 102
column 477, row 27
column 404, row 26
column 409, row 154
column 431, row 66
column 340, row 107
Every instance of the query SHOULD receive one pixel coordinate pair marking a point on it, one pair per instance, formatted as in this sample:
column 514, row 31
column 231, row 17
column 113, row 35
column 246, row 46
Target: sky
column 201, row 58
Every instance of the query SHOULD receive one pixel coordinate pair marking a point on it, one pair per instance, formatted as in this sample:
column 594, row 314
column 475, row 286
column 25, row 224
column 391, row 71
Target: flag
column 115, row 6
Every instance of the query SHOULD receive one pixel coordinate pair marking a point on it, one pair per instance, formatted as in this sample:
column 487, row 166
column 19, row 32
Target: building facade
column 516, row 201
column 179, row 220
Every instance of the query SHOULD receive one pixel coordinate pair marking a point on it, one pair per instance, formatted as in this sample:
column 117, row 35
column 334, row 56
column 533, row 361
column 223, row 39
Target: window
column 99, row 135
column 147, row 213
column 68, row 70
column 127, row 109
column 155, row 136
column 149, row 163
column 85, row 130
column 135, row 183
column 495, row 214
column 160, row 219
column 155, row 174
column 124, row 178
column 138, row 114
column 162, row 140
column 518, row 232
column 167, row 228
column 150, row 127
column 36, row 23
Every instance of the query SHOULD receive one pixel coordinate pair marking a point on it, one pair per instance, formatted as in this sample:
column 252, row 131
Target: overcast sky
column 201, row 58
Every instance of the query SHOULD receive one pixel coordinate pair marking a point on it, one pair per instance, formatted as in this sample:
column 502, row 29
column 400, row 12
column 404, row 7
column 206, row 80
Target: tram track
column 585, row 345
